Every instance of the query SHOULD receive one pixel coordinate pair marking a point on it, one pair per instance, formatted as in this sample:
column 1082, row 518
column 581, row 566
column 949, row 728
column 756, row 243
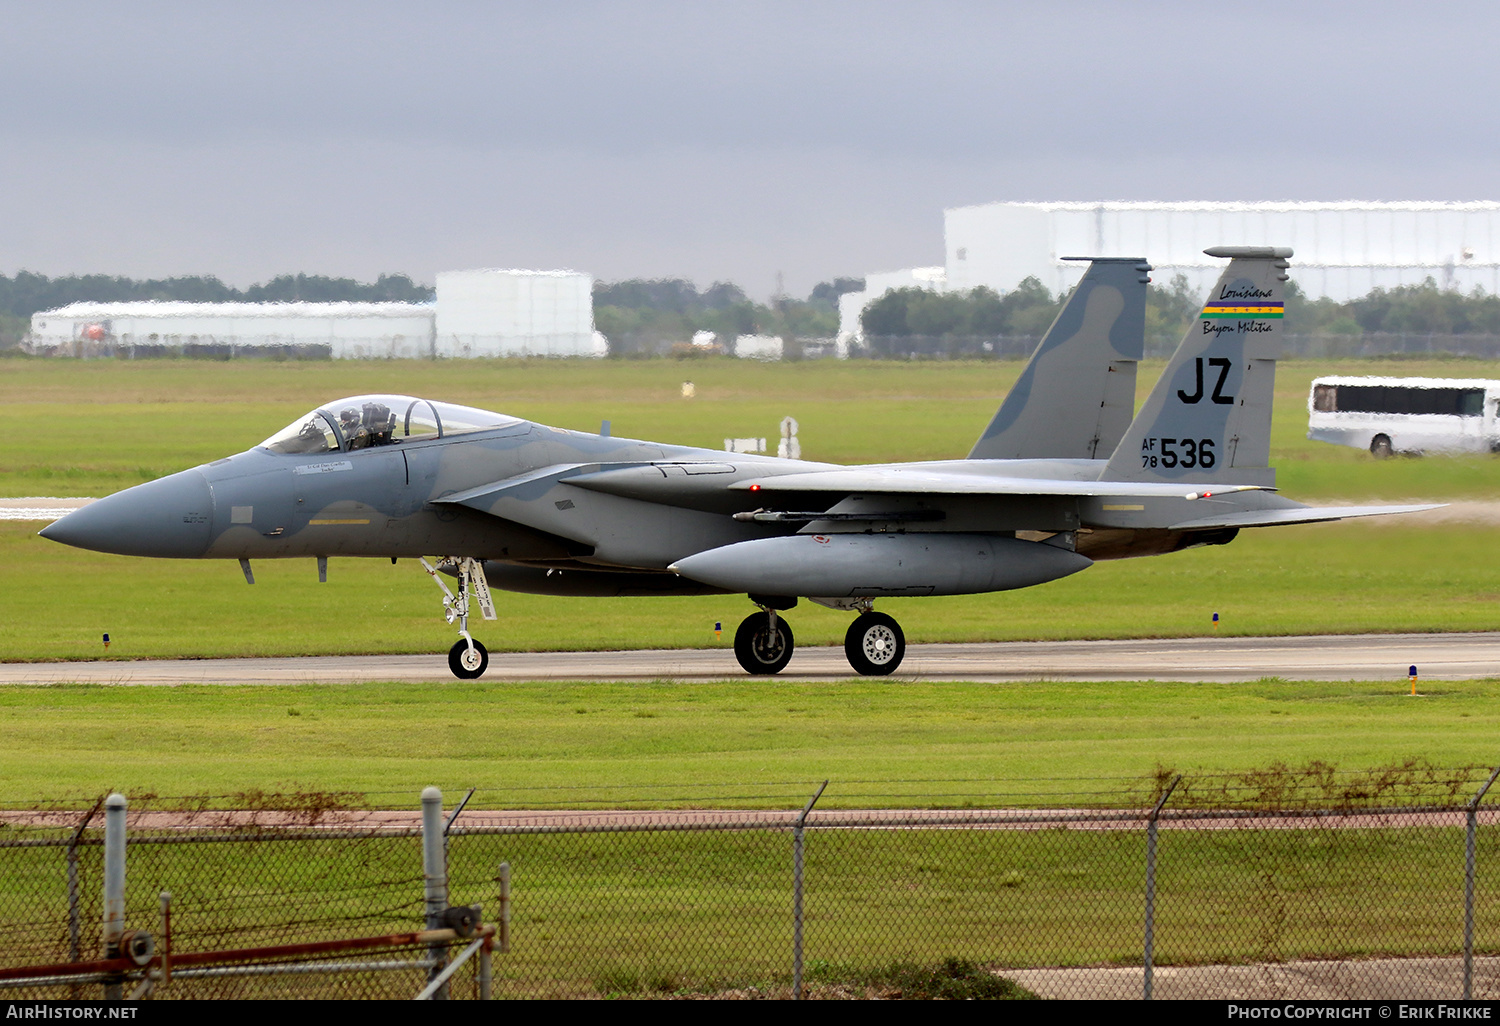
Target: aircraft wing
column 685, row 483
column 878, row 480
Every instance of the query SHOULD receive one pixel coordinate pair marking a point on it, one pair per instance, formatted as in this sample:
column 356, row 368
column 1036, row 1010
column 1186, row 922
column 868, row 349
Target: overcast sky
column 703, row 140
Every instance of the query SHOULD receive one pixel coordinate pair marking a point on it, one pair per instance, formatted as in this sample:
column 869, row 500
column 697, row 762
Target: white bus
column 1412, row 415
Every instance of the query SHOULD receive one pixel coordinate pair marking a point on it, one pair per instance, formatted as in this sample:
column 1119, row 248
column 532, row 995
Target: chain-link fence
column 313, row 897
column 1307, row 884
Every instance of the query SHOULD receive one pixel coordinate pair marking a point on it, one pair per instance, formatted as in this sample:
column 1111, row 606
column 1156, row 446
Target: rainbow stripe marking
column 1241, row 310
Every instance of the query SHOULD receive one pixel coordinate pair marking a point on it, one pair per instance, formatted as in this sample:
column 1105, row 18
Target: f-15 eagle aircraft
column 523, row 507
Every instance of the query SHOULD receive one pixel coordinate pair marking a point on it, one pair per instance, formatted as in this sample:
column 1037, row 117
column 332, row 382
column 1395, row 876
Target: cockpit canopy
column 366, row 421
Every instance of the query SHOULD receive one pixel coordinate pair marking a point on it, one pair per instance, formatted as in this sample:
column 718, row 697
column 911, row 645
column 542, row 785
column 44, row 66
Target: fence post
column 435, row 876
column 1150, row 951
column 114, row 888
column 1473, row 819
column 503, row 927
column 486, row 965
column 797, row 892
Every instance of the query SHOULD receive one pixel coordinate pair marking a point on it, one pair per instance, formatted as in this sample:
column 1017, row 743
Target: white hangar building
column 515, row 313
column 1343, row 250
column 477, row 313
column 347, row 330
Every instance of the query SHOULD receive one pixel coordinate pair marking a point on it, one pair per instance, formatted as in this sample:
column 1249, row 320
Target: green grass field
column 92, row 427
column 87, row 428
column 755, row 743
column 649, row 913
column 56, row 602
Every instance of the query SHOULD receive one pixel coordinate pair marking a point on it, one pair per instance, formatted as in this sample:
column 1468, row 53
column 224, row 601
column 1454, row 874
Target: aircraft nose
column 170, row 517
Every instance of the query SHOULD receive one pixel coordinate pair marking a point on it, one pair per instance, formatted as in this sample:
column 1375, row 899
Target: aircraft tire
column 1380, row 447
column 874, row 644
column 464, row 666
column 758, row 651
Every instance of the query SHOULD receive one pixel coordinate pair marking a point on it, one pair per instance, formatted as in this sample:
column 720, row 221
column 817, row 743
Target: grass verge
column 758, row 744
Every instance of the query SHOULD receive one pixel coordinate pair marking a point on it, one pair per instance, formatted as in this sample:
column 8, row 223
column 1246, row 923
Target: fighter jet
column 506, row 503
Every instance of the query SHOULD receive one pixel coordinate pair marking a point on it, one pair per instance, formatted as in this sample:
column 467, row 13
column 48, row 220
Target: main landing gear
column 874, row 643
column 468, row 659
column 764, row 644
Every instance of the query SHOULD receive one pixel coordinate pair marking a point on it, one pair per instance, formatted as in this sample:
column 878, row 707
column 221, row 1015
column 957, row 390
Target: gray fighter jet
column 523, row 507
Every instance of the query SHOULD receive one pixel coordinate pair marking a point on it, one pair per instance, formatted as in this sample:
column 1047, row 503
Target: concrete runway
column 1208, row 659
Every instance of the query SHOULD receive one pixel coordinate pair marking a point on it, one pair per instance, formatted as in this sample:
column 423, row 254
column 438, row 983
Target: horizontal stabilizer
column 1303, row 515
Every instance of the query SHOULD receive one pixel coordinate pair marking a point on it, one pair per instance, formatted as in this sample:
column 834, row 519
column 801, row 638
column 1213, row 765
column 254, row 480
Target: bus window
column 1463, row 402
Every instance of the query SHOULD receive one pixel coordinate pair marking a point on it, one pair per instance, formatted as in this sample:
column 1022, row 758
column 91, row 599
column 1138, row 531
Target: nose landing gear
column 468, row 659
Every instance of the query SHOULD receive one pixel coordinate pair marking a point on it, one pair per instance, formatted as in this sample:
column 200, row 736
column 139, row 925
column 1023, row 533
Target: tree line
column 28, row 293
column 1029, row 308
column 1424, row 309
column 674, row 309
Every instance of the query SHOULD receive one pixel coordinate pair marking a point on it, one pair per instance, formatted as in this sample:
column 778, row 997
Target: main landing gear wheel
column 874, row 644
column 763, row 644
column 467, row 663
column 1380, row 447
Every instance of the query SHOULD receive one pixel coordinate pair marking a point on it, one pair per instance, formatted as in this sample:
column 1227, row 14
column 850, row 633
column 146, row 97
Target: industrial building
column 477, row 313
column 1343, row 250
column 514, row 313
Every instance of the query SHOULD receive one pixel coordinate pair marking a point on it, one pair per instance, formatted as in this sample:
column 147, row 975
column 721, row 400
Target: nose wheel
column 874, row 644
column 763, row 644
column 468, row 659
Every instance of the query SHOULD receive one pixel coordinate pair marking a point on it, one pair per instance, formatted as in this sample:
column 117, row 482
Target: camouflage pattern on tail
column 1075, row 397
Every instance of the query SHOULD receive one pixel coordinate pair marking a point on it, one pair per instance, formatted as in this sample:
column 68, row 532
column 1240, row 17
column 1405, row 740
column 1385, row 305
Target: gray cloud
column 700, row 139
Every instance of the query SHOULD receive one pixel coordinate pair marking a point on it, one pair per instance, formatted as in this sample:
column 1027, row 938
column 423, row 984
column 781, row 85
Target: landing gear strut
column 468, row 659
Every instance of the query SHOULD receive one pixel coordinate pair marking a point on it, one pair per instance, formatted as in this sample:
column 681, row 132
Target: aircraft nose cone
column 170, row 517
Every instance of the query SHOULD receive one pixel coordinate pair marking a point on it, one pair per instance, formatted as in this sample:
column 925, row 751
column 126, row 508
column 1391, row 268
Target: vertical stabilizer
column 1075, row 397
column 1208, row 420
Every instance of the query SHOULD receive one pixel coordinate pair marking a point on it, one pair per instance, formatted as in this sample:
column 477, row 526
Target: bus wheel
column 1380, row 447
